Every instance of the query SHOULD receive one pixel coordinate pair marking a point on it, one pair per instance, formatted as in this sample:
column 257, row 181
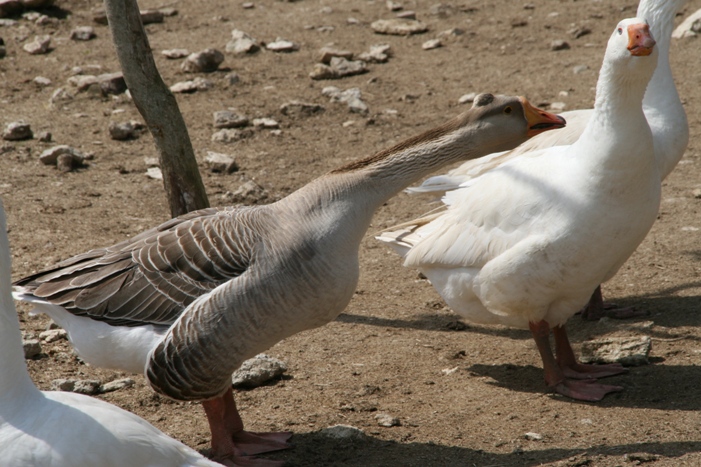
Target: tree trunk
column 158, row 107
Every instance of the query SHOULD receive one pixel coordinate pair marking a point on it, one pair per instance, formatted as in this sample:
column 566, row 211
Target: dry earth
column 386, row 352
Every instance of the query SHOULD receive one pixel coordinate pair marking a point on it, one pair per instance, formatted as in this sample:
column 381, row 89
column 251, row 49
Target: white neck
column 14, row 378
column 662, row 106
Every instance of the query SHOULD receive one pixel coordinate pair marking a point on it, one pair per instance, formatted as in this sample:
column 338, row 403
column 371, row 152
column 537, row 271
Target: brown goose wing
column 152, row 277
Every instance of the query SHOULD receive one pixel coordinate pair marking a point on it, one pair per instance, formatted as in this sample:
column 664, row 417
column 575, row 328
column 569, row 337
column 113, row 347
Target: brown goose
column 190, row 300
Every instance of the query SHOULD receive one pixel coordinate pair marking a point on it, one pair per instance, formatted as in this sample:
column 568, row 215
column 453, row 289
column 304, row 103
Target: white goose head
column 628, row 47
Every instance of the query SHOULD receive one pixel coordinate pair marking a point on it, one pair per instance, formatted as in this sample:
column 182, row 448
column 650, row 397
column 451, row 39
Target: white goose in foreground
column 192, row 299
column 663, row 110
column 59, row 429
column 525, row 244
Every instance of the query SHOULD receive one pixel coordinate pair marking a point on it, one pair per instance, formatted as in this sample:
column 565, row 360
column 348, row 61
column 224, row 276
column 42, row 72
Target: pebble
column 532, row 436
column 41, row 81
column 267, row 123
column 297, row 108
column 17, row 131
column 51, row 155
column 221, row 163
column 116, row 385
column 579, row 69
column 40, row 45
column 88, row 387
column 339, row 67
column 282, row 45
column 44, row 137
column 407, row 15
column 60, row 95
column 398, row 27
column 228, row 135
column 379, row 53
column 154, row 173
column 343, row 432
column 432, row 44
column 630, row 351
column 197, row 84
column 53, row 335
column 31, row 346
column 83, row 33
column 175, row 54
column 351, row 96
column 242, row 43
column 229, row 119
column 206, row 61
column 248, row 193
column 387, row 420
column 232, row 78
column 122, row 131
column 468, row 98
column 579, row 31
column 257, row 371
column 62, row 384
column 559, row 44
column 247, row 5
column 327, row 53
column 394, row 6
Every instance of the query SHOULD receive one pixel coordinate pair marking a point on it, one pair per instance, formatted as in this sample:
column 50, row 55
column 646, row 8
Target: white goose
column 192, row 299
column 663, row 110
column 59, row 429
column 525, row 244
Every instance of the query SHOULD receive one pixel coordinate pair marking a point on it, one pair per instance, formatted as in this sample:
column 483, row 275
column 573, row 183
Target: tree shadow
column 315, row 449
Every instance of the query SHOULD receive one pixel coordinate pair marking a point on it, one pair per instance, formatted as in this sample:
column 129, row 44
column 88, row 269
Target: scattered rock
column 519, row 22
column 112, row 83
column 125, row 130
column 579, row 69
column 116, row 385
column 452, row 32
column 88, row 387
column 398, row 27
column 432, row 44
column 379, row 53
column 17, row 131
column 532, row 436
column 32, row 347
column 221, row 163
column 394, row 6
column 63, row 384
column 248, row 193
column 267, row 123
column 559, row 44
column 229, row 119
column 232, row 78
column 41, row 81
column 467, row 98
column 228, row 135
column 154, row 173
column 83, row 33
column 339, row 68
column 60, row 95
column 343, row 432
column 197, row 84
column 242, row 43
column 327, row 53
column 297, row 108
column 629, row 351
column 257, row 371
column 407, row 15
column 387, row 420
column 579, row 31
column 640, row 457
column 206, row 61
column 53, row 335
column 45, row 137
column 175, row 54
column 65, row 158
column 351, row 96
column 40, row 45
column 282, row 45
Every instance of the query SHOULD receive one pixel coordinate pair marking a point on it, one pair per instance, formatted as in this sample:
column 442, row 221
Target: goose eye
column 620, row 31
column 507, row 110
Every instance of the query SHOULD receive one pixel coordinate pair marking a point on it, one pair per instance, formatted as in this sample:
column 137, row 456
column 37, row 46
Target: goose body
column 525, row 244
column 663, row 110
column 59, row 429
column 187, row 302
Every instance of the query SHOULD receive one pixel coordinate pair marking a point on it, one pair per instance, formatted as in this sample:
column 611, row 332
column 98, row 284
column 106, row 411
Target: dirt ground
column 386, row 353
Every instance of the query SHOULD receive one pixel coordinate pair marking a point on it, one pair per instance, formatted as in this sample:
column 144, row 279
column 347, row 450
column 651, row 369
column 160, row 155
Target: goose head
column 514, row 119
column 632, row 48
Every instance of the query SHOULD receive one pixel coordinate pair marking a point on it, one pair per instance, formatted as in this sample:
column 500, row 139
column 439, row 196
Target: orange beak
column 540, row 120
column 640, row 40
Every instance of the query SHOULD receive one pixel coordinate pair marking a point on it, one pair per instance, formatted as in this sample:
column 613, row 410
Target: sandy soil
column 386, row 352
